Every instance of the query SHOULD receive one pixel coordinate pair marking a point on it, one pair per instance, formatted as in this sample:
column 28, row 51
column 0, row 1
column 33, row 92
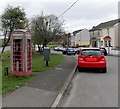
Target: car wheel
column 104, row 70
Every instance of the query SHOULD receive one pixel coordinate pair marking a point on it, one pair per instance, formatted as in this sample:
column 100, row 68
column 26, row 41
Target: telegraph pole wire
column 60, row 14
column 68, row 9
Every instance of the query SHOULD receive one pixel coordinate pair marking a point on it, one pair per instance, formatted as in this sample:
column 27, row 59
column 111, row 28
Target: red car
column 91, row 58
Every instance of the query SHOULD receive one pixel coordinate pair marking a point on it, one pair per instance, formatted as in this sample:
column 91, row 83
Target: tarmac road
column 91, row 89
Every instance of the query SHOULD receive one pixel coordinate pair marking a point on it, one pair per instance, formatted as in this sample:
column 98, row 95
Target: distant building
column 80, row 38
column 105, row 35
column 94, row 36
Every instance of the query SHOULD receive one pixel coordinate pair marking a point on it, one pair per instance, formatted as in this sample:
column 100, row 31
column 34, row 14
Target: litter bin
column 46, row 55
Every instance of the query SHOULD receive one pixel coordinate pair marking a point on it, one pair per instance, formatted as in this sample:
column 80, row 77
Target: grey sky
column 84, row 14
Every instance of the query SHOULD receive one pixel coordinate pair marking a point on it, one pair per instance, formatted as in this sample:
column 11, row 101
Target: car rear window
column 102, row 49
column 91, row 52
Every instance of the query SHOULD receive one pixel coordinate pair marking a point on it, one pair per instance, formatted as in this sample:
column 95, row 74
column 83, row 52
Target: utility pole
column 68, row 39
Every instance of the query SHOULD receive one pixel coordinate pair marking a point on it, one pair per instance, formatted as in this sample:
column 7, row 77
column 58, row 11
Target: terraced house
column 105, row 35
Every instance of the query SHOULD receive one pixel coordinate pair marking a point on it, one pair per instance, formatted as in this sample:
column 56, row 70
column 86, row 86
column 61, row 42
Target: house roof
column 93, row 29
column 20, row 30
column 75, row 32
column 105, row 24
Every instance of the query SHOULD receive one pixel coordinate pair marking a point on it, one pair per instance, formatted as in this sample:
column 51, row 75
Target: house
column 105, row 35
column 80, row 38
column 94, row 37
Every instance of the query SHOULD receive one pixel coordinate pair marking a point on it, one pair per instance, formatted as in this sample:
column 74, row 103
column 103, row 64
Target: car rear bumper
column 84, row 64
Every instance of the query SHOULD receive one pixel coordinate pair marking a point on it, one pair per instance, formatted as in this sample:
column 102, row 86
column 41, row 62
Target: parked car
column 104, row 51
column 77, row 50
column 58, row 48
column 64, row 51
column 91, row 58
column 70, row 51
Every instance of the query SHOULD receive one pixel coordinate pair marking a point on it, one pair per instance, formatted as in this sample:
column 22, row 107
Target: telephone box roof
column 21, row 30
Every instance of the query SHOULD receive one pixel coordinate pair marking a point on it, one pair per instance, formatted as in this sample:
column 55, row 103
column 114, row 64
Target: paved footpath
column 43, row 90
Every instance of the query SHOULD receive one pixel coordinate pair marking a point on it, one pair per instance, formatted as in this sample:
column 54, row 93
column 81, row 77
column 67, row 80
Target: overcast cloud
column 84, row 14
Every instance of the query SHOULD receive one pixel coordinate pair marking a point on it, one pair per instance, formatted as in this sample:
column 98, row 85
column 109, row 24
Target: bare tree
column 46, row 29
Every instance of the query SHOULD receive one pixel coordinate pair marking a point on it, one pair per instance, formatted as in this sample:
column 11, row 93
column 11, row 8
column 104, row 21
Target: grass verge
column 11, row 83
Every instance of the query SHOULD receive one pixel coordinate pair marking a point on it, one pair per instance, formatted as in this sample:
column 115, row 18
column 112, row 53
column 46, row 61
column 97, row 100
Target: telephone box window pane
column 17, row 54
column 28, row 54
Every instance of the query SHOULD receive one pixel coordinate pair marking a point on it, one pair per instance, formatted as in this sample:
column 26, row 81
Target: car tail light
column 80, row 59
column 102, row 58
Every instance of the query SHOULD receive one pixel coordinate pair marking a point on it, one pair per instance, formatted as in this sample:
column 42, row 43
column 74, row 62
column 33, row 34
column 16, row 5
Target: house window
column 101, row 44
column 109, row 43
column 106, row 44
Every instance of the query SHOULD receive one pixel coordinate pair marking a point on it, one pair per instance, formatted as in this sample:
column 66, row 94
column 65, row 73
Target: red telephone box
column 21, row 56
